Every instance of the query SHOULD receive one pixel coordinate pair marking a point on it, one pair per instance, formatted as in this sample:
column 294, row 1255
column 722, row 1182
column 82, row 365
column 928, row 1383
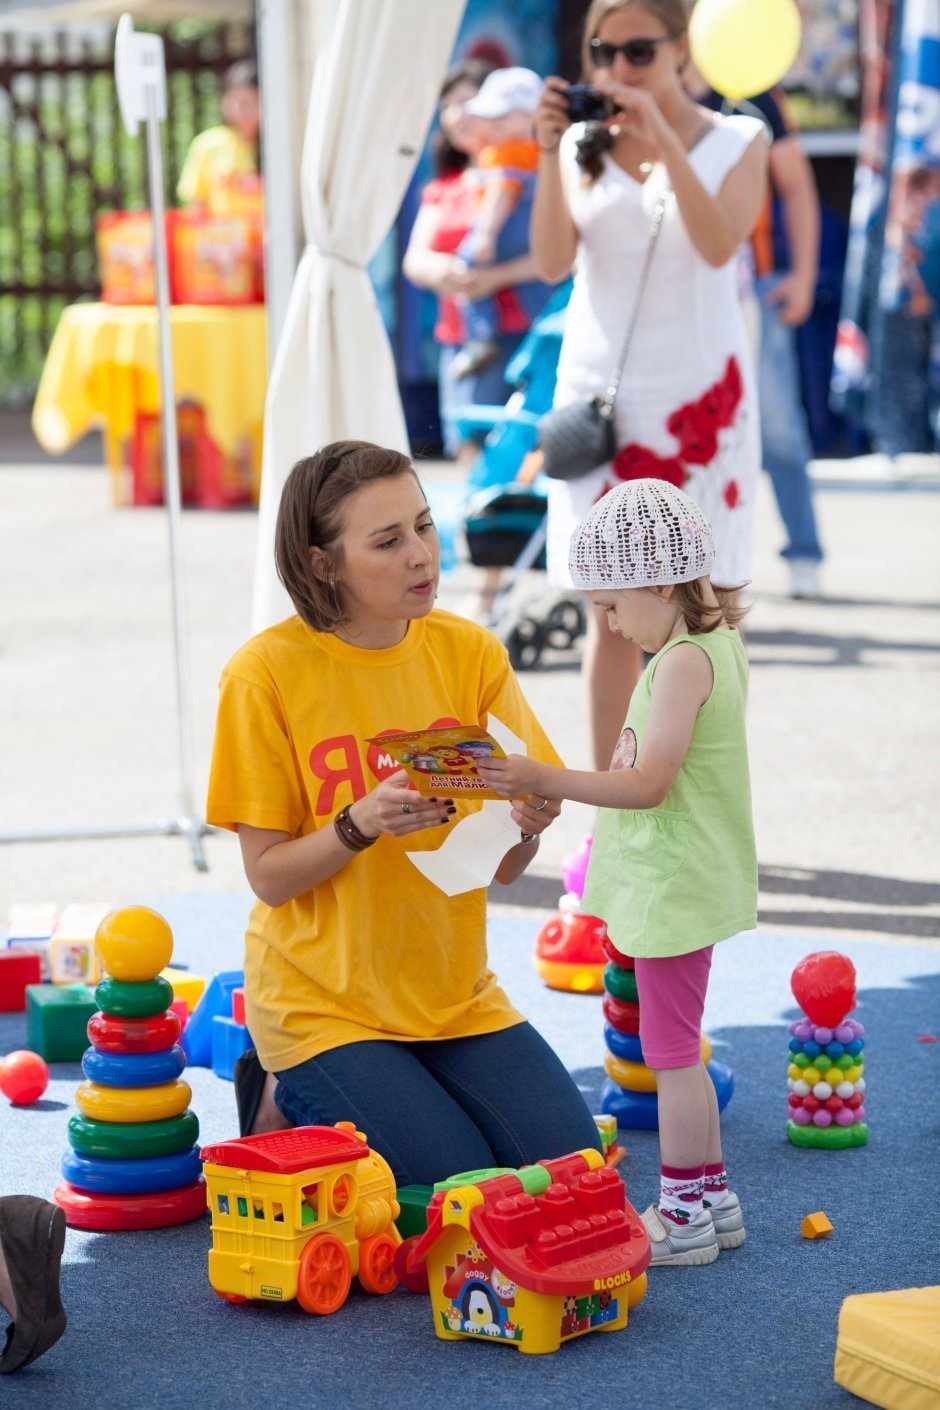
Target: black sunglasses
column 639, row 53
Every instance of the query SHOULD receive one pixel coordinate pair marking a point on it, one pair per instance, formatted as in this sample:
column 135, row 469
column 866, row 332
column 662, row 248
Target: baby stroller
column 505, row 516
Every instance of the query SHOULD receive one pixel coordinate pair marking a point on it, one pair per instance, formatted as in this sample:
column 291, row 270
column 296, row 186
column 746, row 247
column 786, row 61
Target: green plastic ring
column 131, row 1140
column 621, row 983
column 124, row 998
column 828, row 1138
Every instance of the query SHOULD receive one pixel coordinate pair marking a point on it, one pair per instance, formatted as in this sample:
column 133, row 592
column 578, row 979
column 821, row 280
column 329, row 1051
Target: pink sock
column 680, row 1192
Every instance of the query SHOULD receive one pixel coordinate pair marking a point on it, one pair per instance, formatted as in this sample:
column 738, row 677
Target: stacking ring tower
column 134, row 1161
column 825, row 1077
column 629, row 1093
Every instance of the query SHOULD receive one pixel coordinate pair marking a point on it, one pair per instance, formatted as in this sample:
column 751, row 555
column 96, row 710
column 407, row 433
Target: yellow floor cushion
column 888, row 1348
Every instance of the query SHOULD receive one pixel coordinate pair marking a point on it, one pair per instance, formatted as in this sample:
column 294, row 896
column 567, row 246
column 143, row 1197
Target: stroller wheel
column 524, row 644
column 564, row 624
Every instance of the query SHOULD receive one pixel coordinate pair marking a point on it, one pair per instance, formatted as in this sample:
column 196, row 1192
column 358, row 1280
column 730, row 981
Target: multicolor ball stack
column 629, row 1093
column 134, row 1162
column 826, row 1072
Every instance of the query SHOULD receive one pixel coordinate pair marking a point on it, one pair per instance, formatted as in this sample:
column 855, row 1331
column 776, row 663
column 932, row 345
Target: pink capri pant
column 671, row 991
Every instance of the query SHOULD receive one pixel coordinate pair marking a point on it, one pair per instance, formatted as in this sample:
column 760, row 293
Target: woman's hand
column 396, row 808
column 551, row 115
column 639, row 114
column 535, row 813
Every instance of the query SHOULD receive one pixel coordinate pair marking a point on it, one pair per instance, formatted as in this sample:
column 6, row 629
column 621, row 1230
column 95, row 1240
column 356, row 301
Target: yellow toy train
column 298, row 1214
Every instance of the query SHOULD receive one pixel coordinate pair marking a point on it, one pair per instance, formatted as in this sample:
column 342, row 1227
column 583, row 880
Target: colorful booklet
column 443, row 761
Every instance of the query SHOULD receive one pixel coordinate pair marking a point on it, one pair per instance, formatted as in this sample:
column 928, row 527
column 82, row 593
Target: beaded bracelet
column 349, row 834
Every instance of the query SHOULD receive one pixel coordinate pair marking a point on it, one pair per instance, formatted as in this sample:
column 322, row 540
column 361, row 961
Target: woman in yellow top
column 367, row 990
column 223, row 156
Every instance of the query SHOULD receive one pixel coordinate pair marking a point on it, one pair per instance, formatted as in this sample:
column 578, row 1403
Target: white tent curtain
column 378, row 71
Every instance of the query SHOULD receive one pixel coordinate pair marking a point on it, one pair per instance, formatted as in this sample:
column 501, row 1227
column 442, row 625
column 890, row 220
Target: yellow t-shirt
column 376, row 951
column 214, row 158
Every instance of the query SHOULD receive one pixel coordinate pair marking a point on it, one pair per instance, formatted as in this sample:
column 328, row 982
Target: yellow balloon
column 134, row 944
column 743, row 47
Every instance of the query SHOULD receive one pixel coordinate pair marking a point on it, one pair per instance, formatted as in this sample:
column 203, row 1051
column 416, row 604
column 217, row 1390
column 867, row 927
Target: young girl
column 367, row 989
column 673, row 866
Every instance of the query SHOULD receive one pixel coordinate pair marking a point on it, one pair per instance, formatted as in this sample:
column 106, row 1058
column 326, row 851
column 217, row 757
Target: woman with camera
column 647, row 199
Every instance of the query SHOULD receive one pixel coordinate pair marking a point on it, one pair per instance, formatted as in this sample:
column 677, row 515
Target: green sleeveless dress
column 677, row 877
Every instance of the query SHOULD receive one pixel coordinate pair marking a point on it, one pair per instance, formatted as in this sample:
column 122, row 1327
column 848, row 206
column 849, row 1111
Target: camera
column 585, row 104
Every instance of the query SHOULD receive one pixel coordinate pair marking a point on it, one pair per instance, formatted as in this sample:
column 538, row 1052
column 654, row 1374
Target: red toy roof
column 578, row 1236
column 288, row 1152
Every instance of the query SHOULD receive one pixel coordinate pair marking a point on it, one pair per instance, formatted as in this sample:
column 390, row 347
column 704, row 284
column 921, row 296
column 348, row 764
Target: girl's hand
column 639, row 114
column 396, row 808
column 514, row 777
column 551, row 115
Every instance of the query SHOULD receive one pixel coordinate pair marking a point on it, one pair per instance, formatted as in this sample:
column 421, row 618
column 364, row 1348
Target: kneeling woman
column 367, row 990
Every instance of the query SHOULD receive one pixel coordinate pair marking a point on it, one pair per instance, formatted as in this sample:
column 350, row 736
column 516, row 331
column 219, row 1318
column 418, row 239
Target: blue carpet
column 757, row 1328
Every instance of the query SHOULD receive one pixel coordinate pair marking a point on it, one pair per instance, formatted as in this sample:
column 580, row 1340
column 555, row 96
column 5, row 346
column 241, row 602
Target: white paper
column 469, row 856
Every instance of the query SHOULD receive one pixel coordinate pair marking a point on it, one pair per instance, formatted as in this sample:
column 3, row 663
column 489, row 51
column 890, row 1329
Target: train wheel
column 229, row 1297
column 324, row 1275
column 377, row 1264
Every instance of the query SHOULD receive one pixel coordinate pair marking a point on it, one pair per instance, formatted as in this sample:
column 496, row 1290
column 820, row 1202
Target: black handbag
column 576, row 438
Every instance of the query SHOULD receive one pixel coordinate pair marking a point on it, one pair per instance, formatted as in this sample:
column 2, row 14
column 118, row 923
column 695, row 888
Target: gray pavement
column 843, row 713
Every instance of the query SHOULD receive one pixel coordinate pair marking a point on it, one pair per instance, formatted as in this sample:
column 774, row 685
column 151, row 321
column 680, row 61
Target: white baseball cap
column 505, row 91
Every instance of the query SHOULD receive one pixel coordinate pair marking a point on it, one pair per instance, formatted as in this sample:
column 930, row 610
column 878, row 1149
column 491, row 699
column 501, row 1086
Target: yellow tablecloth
column 102, row 370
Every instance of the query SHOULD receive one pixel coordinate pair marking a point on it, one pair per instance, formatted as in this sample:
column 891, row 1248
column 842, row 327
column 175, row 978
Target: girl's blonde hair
column 700, row 616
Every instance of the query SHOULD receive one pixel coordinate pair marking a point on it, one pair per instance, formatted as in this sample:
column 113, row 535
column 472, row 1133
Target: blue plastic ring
column 97, row 1175
column 623, row 1045
column 133, row 1069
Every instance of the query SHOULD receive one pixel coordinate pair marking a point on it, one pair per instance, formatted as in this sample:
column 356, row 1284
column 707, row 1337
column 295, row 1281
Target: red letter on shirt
column 350, row 772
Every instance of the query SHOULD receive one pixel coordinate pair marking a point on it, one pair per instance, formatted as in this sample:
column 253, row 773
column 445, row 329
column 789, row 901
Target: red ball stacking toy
column 629, row 1092
column 568, row 948
column 826, row 1105
column 134, row 1161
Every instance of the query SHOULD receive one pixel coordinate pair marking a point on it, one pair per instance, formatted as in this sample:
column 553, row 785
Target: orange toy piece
column 299, row 1214
column 533, row 1257
column 816, row 1226
column 569, row 954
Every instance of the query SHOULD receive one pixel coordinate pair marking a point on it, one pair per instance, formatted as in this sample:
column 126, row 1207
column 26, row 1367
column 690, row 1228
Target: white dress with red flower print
column 686, row 410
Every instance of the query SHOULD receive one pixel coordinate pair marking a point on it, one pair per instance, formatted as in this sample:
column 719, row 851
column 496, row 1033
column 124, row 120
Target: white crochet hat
column 644, row 533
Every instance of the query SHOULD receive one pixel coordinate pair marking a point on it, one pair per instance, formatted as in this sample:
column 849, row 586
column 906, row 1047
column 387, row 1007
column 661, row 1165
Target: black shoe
column 474, row 356
column 249, row 1084
column 32, row 1233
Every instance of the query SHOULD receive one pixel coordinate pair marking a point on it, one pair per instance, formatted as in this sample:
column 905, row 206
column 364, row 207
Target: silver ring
column 406, row 807
column 542, row 806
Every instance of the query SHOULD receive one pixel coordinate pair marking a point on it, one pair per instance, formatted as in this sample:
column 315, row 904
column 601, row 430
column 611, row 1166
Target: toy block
column 186, row 986
column 238, row 1005
column 815, row 1226
column 57, row 1020
column 229, row 1041
column 31, row 920
column 72, row 960
column 81, row 919
column 414, row 1201
column 17, row 970
column 216, row 1001
column 179, row 1007
column 42, row 948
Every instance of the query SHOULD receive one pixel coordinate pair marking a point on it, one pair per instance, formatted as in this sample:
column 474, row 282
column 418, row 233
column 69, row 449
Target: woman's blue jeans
column 784, row 430
column 436, row 1109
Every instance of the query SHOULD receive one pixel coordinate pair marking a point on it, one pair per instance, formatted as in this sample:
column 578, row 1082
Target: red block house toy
column 533, row 1257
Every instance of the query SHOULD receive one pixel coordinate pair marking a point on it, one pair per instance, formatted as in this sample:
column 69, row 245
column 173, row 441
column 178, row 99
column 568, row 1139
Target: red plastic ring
column 133, row 1035
column 105, row 1213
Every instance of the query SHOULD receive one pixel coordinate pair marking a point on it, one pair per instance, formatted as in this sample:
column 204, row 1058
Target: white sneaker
column 728, row 1221
column 680, row 1244
column 804, row 577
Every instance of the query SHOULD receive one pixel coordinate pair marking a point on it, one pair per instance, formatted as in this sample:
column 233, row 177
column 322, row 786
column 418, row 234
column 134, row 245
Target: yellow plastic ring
column 132, row 1103
column 636, row 1076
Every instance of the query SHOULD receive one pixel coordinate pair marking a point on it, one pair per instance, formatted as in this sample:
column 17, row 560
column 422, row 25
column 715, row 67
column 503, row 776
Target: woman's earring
column 331, row 581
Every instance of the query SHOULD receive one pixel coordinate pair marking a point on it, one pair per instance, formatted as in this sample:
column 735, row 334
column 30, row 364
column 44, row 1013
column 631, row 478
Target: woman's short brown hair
column 310, row 515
